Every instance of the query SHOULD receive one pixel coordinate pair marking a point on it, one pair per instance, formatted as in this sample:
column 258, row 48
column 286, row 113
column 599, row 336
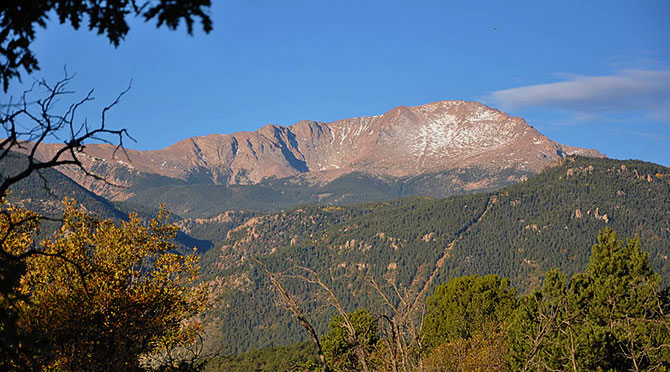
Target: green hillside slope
column 517, row 232
column 198, row 200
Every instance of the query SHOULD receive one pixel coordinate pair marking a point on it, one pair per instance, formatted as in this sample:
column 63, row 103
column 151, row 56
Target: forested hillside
column 613, row 316
column 518, row 232
column 198, row 199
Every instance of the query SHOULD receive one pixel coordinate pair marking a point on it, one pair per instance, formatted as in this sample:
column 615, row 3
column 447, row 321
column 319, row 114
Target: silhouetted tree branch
column 19, row 18
column 28, row 125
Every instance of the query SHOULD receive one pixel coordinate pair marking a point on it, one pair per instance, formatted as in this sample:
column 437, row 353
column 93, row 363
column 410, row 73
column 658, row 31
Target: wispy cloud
column 630, row 90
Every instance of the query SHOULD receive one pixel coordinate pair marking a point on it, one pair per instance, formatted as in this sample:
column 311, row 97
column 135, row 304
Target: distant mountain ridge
column 403, row 142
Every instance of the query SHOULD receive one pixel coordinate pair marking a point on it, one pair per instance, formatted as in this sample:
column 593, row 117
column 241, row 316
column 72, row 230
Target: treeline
column 613, row 316
column 200, row 198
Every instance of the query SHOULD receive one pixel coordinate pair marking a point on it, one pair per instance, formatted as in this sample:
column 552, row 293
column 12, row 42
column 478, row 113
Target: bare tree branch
column 29, row 124
column 406, row 327
column 291, row 305
column 314, row 278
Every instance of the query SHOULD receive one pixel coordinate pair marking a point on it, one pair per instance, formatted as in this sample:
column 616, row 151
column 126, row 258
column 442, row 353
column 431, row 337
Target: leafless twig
column 29, row 124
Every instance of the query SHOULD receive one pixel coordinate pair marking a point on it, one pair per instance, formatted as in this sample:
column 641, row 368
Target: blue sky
column 592, row 74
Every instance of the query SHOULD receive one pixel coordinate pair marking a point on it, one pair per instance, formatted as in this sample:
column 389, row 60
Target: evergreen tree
column 466, row 305
column 542, row 334
column 612, row 317
column 624, row 324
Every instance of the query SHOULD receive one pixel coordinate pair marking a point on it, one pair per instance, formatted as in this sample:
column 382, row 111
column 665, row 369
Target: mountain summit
column 403, row 142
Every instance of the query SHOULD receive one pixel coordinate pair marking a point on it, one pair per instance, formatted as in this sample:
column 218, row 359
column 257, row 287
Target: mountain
column 404, row 143
column 521, row 231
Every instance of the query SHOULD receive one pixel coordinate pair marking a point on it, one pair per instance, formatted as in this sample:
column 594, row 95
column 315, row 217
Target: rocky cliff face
column 403, row 142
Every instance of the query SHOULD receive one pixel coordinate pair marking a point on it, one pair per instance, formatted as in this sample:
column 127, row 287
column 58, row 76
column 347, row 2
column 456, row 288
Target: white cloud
column 628, row 90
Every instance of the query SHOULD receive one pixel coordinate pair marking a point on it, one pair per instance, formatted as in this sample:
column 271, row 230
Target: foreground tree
column 17, row 230
column 625, row 326
column 29, row 122
column 545, row 328
column 612, row 317
column 40, row 115
column 465, row 306
column 341, row 351
column 100, row 295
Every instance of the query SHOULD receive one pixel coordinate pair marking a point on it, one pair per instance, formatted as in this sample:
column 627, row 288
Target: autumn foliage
column 99, row 294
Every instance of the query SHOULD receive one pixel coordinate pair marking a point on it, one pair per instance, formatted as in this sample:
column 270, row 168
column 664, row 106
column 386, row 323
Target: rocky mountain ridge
column 403, row 142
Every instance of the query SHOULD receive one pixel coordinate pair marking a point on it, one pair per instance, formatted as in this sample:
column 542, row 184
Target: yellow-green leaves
column 103, row 293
